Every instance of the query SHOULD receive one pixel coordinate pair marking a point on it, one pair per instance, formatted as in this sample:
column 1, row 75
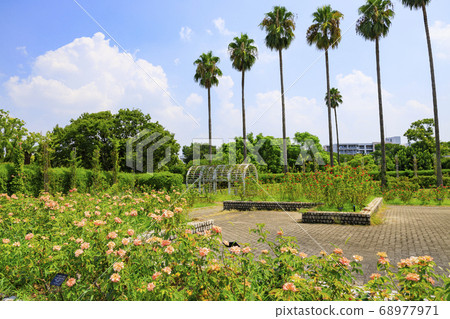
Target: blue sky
column 57, row 63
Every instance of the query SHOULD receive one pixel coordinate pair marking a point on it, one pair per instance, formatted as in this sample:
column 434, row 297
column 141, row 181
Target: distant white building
column 361, row 148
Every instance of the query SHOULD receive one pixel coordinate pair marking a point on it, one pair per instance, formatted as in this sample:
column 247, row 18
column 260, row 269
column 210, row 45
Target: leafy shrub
column 163, row 180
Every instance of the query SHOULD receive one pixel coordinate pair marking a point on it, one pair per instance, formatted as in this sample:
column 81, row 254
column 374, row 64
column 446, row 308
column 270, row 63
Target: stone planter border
column 248, row 205
column 361, row 218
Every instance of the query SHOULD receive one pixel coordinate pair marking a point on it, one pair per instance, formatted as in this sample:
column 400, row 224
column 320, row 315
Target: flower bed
column 249, row 205
column 361, row 218
column 96, row 241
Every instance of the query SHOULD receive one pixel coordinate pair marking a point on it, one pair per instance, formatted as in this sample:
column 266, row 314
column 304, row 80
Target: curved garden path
column 407, row 231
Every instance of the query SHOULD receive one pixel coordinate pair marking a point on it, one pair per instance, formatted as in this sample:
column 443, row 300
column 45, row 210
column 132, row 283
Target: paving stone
column 407, row 231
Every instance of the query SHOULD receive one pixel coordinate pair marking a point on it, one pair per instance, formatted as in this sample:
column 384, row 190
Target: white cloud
column 22, row 50
column 193, row 100
column 90, row 75
column 219, row 23
column 359, row 116
column 440, row 35
column 209, row 32
column 302, row 114
column 186, row 33
column 228, row 117
column 176, row 61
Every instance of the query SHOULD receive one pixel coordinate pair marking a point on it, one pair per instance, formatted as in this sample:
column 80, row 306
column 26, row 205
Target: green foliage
column 376, row 19
column 242, row 53
column 17, row 184
column 163, row 180
column 201, row 149
column 207, row 72
column 325, row 32
column 12, row 132
column 101, row 129
column 279, row 25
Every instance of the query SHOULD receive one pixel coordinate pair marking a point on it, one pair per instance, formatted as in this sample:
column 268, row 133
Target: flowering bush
column 139, row 247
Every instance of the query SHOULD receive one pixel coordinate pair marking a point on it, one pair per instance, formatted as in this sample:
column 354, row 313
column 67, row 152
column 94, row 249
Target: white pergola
column 214, row 176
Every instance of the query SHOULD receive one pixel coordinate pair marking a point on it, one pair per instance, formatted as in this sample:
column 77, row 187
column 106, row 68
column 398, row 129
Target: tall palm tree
column 422, row 4
column 279, row 25
column 206, row 75
column 243, row 55
column 325, row 33
column 336, row 99
column 374, row 23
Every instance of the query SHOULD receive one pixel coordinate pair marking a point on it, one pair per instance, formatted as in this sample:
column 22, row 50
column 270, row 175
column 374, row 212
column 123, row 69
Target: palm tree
column 336, row 99
column 207, row 74
column 373, row 24
column 325, row 33
column 279, row 25
column 243, row 55
column 421, row 4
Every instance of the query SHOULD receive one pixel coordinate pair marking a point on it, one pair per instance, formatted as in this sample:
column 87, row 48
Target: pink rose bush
column 113, row 256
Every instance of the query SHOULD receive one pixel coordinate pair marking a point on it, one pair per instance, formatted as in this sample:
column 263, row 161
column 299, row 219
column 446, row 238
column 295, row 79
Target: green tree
column 280, row 26
column 100, row 129
column 207, row 74
column 335, row 100
column 12, row 132
column 374, row 23
column 422, row 4
column 422, row 132
column 325, row 33
column 201, row 148
column 243, row 55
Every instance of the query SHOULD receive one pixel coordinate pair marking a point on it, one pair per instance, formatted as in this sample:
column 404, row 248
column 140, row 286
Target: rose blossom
column 246, row 250
column 57, row 248
column 121, row 252
column 169, row 250
column 118, row 220
column 125, row 241
column 29, row 236
column 85, row 245
column 156, row 275
column 112, row 235
column 165, row 242
column 6, row 241
column 151, row 286
column 289, row 286
column 235, row 250
column 338, row 251
column 358, row 258
column 118, row 266
column 111, row 244
column 203, row 251
column 130, row 232
column 115, row 277
column 344, row 261
column 375, row 276
column 167, row 270
column 137, row 242
column 78, row 252
column 71, row 282
column 412, row 277
column 16, row 244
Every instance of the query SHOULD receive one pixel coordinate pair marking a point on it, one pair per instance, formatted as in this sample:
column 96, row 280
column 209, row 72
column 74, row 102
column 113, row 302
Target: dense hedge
column 409, row 174
column 59, row 180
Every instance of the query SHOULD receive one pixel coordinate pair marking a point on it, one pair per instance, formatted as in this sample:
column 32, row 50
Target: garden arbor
column 209, row 178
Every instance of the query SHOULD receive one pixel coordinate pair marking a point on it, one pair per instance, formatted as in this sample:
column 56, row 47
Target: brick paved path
column 407, row 231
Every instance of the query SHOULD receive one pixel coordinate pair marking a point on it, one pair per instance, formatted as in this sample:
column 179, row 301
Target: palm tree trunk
column 283, row 115
column 380, row 105
column 330, row 128
column 439, row 180
column 244, row 133
column 337, row 136
column 209, row 126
